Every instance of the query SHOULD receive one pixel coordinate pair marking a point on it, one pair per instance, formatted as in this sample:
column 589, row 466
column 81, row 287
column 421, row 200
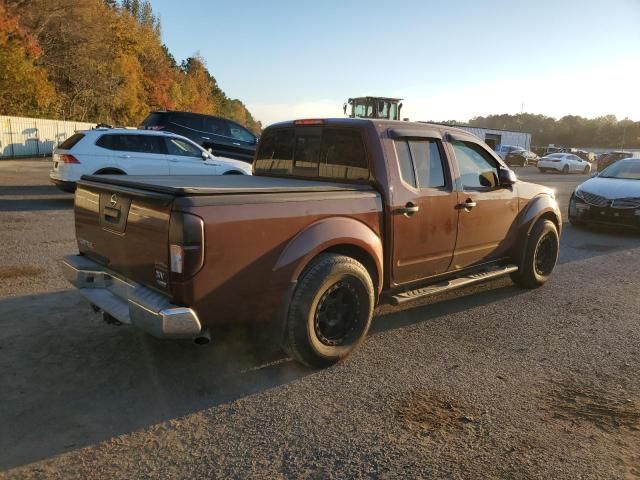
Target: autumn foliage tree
column 570, row 131
column 24, row 86
column 101, row 61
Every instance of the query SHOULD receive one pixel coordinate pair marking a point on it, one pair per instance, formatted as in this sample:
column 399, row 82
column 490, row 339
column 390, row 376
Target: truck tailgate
column 126, row 230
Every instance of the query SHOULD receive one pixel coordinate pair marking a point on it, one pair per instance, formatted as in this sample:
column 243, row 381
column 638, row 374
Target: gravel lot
column 488, row 382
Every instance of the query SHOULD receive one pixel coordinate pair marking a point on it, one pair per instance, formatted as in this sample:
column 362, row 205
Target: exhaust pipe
column 203, row 338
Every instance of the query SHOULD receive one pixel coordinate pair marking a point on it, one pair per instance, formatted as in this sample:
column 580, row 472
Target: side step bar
column 410, row 295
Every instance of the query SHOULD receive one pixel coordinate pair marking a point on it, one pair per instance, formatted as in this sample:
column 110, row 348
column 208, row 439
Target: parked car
column 340, row 215
column 564, row 163
column 504, row 150
column 610, row 158
column 611, row 197
column 133, row 152
column 553, row 149
column 583, row 154
column 223, row 137
column 521, row 158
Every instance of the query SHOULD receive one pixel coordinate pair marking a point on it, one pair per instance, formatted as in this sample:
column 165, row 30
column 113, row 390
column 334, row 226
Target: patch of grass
column 7, row 273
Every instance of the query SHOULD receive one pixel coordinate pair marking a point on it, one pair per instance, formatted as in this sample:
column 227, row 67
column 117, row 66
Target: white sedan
column 134, row 152
column 563, row 162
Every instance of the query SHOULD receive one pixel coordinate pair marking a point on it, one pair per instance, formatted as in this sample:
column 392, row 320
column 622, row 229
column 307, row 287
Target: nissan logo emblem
column 114, row 200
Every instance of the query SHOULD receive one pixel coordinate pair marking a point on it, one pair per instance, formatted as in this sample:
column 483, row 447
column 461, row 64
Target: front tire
column 565, row 170
column 542, row 170
column 540, row 256
column 330, row 312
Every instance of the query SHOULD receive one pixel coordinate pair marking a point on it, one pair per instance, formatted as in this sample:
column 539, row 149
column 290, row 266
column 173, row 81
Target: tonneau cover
column 190, row 185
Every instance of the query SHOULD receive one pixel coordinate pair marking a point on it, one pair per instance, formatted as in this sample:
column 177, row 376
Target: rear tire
column 565, row 170
column 330, row 312
column 542, row 170
column 540, row 256
column 585, row 171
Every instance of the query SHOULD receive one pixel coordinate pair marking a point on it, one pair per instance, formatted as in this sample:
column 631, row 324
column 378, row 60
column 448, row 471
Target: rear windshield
column 71, row 141
column 313, row 151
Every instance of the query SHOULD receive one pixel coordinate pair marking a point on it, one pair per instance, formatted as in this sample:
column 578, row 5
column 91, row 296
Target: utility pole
column 521, row 112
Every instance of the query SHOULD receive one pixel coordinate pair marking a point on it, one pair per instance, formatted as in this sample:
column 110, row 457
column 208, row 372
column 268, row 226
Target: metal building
column 494, row 137
column 23, row 137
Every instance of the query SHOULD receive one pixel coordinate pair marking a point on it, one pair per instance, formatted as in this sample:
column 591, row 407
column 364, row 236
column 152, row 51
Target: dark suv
column 224, row 137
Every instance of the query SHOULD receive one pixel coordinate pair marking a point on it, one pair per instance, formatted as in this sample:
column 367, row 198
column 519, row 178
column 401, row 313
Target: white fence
column 30, row 137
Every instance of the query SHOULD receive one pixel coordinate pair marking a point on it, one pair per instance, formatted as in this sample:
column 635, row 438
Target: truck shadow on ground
column 29, row 190
column 39, row 198
column 70, row 380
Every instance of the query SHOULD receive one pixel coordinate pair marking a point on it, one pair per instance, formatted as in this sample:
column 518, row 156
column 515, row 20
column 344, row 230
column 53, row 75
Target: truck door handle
column 468, row 204
column 206, row 138
column 409, row 209
column 124, row 156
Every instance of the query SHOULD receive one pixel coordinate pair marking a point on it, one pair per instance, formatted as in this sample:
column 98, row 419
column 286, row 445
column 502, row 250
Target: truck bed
column 123, row 224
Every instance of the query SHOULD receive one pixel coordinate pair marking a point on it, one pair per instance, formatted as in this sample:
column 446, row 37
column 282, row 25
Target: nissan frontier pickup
column 340, row 216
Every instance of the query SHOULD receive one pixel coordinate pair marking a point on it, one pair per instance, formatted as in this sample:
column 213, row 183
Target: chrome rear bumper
column 130, row 302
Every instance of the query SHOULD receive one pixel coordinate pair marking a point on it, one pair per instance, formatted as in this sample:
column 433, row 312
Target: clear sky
column 448, row 59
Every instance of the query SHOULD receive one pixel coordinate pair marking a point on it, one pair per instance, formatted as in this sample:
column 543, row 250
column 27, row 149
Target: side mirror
column 206, row 155
column 506, row 177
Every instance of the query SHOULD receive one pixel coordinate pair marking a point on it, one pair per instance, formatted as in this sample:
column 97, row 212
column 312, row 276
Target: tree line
column 100, row 61
column 569, row 131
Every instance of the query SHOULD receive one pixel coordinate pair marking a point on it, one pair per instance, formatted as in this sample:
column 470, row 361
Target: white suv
column 134, row 152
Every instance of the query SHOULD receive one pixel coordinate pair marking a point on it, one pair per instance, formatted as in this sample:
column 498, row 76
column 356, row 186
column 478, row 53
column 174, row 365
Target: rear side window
column 241, row 134
column 133, row 143
column 70, row 142
column 421, row 162
column 312, row 151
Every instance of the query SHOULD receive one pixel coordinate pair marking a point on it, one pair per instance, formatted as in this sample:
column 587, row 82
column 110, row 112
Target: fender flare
column 541, row 206
column 325, row 234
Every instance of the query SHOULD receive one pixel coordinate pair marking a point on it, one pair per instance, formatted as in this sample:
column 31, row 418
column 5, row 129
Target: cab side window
column 420, row 162
column 478, row 169
column 177, row 146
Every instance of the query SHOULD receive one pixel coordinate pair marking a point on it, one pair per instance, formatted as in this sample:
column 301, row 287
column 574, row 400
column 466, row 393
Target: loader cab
column 383, row 108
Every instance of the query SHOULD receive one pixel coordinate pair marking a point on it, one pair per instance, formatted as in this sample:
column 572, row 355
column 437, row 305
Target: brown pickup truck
column 340, row 215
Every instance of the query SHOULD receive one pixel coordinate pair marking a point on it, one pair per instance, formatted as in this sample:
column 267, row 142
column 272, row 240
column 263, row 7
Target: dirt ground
column 487, row 382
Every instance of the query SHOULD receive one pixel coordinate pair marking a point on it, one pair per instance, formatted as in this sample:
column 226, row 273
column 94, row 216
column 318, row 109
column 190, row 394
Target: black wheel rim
column 546, row 255
column 337, row 313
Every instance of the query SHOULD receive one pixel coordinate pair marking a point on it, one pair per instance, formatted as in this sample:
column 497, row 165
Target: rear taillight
column 66, row 158
column 186, row 245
